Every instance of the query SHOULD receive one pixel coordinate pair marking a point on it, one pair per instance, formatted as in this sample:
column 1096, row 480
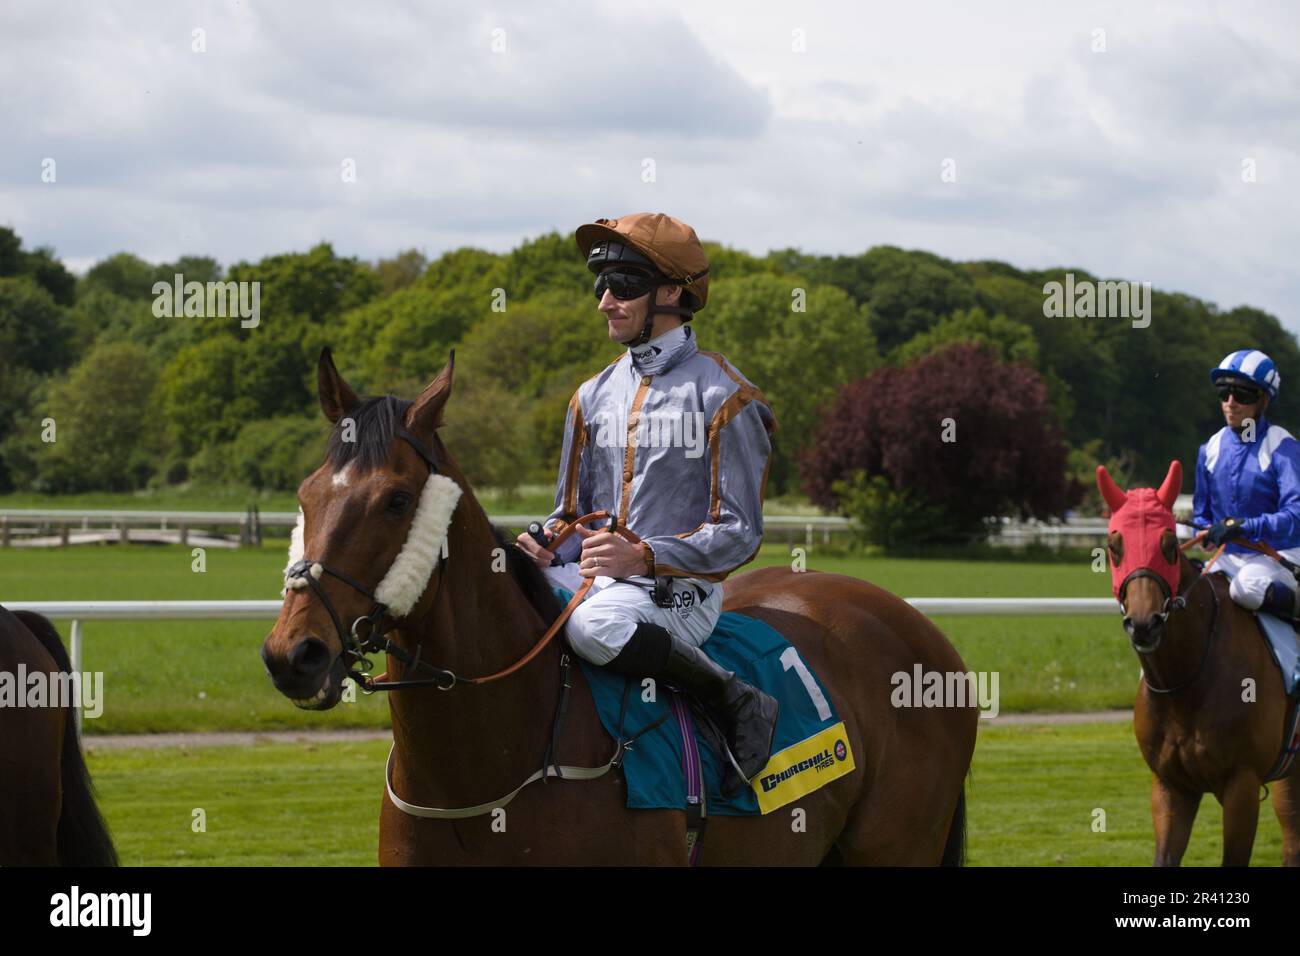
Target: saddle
column 809, row 750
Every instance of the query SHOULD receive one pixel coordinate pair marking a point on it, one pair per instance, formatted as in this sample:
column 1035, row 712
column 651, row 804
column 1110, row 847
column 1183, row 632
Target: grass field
column 206, row 675
column 1032, row 799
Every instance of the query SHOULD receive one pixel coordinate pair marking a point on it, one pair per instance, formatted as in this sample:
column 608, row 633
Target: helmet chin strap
column 651, row 310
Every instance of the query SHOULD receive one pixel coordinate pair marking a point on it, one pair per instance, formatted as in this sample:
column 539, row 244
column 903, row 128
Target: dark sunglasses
column 625, row 284
column 1244, row 396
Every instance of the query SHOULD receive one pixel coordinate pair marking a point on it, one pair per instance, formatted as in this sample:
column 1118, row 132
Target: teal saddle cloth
column 653, row 766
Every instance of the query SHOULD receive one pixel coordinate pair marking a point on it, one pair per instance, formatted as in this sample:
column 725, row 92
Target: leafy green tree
column 35, row 331
column 198, row 395
column 549, row 262
column 107, row 431
column 798, row 359
column 277, row 453
column 403, row 270
column 397, row 341
column 537, row 352
column 314, row 287
column 122, row 274
column 910, row 291
column 40, row 265
column 1013, row 341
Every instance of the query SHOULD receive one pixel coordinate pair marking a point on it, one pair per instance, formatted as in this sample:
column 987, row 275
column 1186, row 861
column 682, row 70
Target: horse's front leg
column 1286, row 801
column 1173, row 812
column 1240, row 799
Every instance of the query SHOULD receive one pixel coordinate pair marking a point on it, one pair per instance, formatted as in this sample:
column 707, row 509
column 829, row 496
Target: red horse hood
column 1141, row 516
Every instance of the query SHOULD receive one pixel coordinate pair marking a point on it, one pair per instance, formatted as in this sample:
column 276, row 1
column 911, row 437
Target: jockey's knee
column 597, row 639
column 1248, row 589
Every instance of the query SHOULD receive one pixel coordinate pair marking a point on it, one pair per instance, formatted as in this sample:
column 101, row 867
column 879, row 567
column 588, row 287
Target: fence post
column 74, row 655
column 4, row 532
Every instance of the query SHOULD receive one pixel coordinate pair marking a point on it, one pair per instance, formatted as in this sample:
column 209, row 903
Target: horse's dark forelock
column 530, row 578
column 376, row 422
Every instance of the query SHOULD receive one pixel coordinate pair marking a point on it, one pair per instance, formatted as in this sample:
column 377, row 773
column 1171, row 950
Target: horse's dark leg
column 1172, row 812
column 1240, row 801
column 1286, row 803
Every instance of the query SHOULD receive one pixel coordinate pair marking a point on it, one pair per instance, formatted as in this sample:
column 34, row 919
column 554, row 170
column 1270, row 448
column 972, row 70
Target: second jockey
column 1248, row 486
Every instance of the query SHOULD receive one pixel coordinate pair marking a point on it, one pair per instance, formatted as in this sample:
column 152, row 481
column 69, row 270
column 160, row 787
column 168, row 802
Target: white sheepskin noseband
column 414, row 564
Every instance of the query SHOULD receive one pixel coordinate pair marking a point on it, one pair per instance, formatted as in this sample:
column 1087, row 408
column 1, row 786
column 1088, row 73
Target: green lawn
column 206, row 675
column 1032, row 799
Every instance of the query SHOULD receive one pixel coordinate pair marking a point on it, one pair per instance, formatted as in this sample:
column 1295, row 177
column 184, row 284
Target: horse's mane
column 530, row 578
column 377, row 419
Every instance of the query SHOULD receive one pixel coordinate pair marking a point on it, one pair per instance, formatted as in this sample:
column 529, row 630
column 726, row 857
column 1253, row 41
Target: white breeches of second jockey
column 1252, row 574
column 604, row 622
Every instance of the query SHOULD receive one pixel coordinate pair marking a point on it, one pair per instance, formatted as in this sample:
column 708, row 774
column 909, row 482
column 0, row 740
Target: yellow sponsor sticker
column 803, row 767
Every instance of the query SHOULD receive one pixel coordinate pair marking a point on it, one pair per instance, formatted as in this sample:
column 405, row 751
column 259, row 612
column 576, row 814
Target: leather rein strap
column 549, row 768
column 379, row 683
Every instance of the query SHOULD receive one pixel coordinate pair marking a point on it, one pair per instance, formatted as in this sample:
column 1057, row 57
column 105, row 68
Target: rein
column 1179, row 602
column 378, row 683
column 549, row 767
column 356, row 646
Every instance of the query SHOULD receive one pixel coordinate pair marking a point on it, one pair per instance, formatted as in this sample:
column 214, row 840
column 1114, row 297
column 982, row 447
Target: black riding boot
column 1280, row 599
column 746, row 714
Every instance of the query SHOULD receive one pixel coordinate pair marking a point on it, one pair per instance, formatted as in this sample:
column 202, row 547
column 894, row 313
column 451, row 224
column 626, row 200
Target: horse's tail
column 954, row 851
column 83, row 836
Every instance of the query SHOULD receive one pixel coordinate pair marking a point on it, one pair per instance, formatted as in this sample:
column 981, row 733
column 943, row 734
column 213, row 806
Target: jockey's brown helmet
column 664, row 248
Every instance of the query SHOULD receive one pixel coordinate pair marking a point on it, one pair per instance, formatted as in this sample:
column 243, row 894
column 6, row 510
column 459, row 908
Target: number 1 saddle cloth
column 810, row 749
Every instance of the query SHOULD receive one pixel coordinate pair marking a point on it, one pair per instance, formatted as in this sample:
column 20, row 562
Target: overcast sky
column 818, row 125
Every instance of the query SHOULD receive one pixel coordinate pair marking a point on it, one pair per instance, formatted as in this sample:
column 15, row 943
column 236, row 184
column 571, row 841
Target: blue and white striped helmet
column 1251, row 364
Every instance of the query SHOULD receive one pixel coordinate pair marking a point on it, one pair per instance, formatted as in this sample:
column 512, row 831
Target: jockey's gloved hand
column 1224, row 531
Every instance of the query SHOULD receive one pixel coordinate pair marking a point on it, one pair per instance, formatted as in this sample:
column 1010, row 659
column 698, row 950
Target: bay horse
column 48, row 815
column 1211, row 714
column 481, row 606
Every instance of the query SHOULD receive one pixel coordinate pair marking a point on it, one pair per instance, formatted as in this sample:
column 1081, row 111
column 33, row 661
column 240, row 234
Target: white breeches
column 1252, row 574
column 604, row 622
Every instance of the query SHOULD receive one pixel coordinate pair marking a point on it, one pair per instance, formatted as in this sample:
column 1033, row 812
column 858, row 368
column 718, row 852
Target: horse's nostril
column 310, row 657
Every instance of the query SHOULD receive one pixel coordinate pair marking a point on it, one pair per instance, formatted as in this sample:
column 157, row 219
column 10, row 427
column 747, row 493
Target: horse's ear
column 425, row 415
column 1109, row 490
column 336, row 397
column 1173, row 484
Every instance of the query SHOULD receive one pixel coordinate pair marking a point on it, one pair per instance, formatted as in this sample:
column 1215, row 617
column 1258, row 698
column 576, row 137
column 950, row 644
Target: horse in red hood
column 1211, row 714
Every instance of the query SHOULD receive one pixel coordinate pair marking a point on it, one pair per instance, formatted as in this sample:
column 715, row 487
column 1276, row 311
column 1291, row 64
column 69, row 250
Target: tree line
column 138, row 400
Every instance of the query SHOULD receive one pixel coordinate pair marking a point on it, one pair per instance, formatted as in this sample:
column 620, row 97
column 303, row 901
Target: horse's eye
column 399, row 502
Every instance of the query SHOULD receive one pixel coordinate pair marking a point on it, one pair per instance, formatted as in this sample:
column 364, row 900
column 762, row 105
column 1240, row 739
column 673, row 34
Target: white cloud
column 1126, row 163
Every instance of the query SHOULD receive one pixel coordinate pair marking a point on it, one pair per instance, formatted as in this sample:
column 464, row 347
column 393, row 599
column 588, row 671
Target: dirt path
column 247, row 738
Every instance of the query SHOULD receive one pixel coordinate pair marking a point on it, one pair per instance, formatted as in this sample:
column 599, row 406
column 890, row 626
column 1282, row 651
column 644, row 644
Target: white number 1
column 791, row 659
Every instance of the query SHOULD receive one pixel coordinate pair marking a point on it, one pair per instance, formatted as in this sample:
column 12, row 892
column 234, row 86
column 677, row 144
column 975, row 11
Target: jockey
column 1248, row 486
column 676, row 442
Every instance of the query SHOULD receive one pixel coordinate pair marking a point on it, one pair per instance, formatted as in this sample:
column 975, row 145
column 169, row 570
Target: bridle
column 1178, row 602
column 357, row 645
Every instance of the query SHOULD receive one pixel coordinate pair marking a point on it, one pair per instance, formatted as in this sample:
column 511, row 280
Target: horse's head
column 373, row 525
column 1144, row 556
